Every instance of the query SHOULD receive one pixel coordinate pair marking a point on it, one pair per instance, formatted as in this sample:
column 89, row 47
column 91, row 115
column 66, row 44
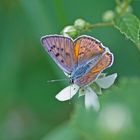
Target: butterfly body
column 83, row 59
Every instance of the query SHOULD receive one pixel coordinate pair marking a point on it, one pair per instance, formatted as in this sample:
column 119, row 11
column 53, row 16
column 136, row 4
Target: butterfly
column 83, row 59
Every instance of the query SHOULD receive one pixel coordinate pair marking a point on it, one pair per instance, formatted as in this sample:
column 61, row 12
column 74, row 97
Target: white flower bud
column 108, row 15
column 70, row 31
column 80, row 24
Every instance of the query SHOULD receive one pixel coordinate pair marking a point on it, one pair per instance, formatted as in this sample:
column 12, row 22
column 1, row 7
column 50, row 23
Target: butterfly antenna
column 57, row 80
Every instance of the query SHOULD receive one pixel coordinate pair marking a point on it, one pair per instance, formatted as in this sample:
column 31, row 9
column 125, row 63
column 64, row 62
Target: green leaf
column 129, row 25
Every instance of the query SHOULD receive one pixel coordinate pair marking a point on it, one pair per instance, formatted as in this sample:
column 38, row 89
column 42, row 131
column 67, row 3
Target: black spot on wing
column 62, row 49
column 97, row 42
column 53, row 46
column 57, row 54
column 62, row 61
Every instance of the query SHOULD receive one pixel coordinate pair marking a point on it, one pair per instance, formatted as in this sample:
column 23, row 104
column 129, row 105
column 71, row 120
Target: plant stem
column 124, row 8
column 101, row 24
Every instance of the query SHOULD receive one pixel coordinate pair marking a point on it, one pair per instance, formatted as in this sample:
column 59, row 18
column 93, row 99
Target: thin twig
column 101, row 24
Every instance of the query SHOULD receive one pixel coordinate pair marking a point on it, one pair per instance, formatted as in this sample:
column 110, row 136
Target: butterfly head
column 71, row 80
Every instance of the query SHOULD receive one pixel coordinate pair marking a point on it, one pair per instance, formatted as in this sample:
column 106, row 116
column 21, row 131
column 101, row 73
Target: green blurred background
column 28, row 109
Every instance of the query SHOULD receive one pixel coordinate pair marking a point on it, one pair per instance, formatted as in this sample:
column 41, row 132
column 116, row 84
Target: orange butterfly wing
column 85, row 48
column 103, row 63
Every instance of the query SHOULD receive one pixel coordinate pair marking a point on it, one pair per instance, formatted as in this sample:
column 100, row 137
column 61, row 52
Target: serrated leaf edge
column 127, row 35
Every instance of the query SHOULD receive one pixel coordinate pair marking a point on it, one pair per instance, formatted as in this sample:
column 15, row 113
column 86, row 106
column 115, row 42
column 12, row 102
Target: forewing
column 61, row 50
column 105, row 62
column 85, row 48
